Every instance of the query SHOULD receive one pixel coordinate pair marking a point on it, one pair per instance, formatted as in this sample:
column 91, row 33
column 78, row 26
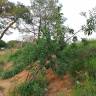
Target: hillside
column 71, row 72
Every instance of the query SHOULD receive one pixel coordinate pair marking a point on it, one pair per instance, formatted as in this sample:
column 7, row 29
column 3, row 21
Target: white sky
column 71, row 10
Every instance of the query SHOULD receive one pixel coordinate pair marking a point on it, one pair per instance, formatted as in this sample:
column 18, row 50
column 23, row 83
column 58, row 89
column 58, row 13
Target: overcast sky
column 71, row 10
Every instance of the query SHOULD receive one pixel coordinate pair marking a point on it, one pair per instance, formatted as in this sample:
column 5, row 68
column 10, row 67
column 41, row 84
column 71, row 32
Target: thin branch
column 6, row 29
column 73, row 35
column 30, row 30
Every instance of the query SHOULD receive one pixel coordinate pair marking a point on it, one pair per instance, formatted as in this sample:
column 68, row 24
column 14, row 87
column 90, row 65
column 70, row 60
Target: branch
column 6, row 29
column 30, row 30
column 73, row 35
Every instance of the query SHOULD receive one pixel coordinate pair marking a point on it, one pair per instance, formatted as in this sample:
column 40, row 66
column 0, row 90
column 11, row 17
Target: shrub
column 2, row 44
column 72, row 59
column 29, row 54
column 84, row 41
column 22, row 58
column 91, row 67
column 87, row 89
column 14, row 44
column 32, row 87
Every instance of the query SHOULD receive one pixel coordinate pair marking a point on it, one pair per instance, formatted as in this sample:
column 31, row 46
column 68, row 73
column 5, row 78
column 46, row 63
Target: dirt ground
column 11, row 83
column 1, row 93
column 56, row 85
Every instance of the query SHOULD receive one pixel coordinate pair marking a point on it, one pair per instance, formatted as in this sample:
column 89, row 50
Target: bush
column 2, row 44
column 78, row 58
column 14, row 44
column 84, row 41
column 29, row 54
column 72, row 59
column 22, row 58
column 69, row 60
column 87, row 89
column 32, row 87
column 91, row 67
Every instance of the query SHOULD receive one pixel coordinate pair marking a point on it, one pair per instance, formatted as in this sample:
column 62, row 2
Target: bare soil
column 1, row 93
column 56, row 85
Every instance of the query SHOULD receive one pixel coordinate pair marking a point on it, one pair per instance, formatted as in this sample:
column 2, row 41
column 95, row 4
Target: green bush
column 32, row 87
column 88, row 88
column 2, row 44
column 91, row 67
column 72, row 59
column 22, row 58
column 69, row 60
column 12, row 72
column 29, row 54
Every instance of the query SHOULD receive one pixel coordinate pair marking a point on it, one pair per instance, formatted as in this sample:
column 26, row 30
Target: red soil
column 58, row 85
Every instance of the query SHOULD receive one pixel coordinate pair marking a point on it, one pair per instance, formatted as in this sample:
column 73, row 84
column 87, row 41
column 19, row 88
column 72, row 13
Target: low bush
column 3, row 44
column 88, row 88
column 22, row 58
column 72, row 59
column 36, row 87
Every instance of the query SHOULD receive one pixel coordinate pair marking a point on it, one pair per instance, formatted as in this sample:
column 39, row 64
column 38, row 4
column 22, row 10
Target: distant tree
column 90, row 25
column 14, row 44
column 3, row 44
column 84, row 41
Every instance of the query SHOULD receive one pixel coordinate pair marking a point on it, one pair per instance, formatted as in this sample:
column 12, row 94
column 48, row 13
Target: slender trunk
column 39, row 32
column 6, row 29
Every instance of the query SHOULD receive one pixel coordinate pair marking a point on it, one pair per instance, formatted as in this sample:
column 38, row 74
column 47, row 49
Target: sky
column 71, row 10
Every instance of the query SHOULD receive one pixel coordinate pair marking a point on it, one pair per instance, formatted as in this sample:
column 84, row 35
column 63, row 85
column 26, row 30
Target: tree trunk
column 39, row 32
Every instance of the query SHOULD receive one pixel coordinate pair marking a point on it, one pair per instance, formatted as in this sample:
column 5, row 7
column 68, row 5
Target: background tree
column 11, row 14
column 3, row 44
column 47, row 19
column 90, row 25
column 14, row 44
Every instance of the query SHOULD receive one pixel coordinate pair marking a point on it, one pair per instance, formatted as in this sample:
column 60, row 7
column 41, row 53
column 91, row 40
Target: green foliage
column 76, row 58
column 84, row 41
column 2, row 44
column 29, row 54
column 14, row 44
column 60, row 94
column 72, row 59
column 32, row 87
column 68, row 60
column 11, row 13
column 12, row 72
column 21, row 59
column 10, row 8
column 90, row 25
column 1, row 67
column 90, row 64
column 88, row 88
column 4, row 56
column 50, row 49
